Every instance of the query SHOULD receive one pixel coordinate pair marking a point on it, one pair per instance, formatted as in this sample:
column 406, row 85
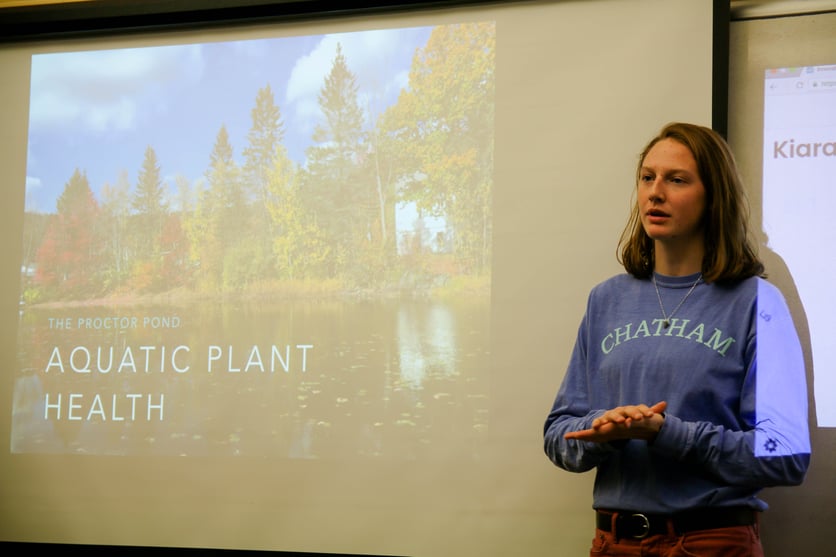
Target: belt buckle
column 643, row 523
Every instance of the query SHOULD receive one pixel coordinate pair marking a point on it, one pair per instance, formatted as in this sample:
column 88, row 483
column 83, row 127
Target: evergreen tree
column 264, row 143
column 149, row 212
column 220, row 215
column 264, row 137
column 338, row 196
column 149, row 207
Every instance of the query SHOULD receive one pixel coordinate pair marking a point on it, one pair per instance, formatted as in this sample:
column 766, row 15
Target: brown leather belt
column 636, row 525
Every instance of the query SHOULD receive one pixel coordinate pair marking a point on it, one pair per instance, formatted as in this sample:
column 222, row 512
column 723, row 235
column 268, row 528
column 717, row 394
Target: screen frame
column 89, row 18
column 83, row 18
column 86, row 18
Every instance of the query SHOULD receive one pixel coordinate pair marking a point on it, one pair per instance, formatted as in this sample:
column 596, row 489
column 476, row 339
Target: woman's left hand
column 624, row 422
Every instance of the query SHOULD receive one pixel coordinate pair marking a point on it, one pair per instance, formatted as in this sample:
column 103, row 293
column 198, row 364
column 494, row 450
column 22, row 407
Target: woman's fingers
column 626, row 415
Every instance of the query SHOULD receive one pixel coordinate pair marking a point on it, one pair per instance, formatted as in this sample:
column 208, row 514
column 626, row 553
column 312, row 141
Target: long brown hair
column 730, row 253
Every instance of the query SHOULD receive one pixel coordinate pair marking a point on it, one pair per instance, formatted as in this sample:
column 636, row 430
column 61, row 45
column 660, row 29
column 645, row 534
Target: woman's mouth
column 656, row 216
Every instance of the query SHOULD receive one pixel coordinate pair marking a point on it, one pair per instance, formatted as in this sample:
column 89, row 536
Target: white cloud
column 107, row 89
column 379, row 59
column 32, row 183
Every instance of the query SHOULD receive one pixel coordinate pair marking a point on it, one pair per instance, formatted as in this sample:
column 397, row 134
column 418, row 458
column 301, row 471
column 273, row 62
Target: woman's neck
column 677, row 262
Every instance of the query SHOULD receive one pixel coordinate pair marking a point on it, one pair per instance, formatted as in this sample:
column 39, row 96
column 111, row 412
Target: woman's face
column 671, row 195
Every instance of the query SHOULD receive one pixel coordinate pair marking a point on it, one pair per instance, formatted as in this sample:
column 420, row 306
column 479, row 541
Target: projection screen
column 311, row 285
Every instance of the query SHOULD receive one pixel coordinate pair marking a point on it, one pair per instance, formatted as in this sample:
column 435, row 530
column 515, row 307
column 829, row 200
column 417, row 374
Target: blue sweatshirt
column 736, row 417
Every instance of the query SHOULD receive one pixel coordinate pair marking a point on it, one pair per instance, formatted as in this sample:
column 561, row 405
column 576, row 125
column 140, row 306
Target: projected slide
column 799, row 199
column 274, row 247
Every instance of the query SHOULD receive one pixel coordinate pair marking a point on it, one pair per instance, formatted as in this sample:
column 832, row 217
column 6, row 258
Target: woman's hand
column 624, row 422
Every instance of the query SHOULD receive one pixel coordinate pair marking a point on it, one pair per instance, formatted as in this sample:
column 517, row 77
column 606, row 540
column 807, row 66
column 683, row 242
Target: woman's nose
column 655, row 191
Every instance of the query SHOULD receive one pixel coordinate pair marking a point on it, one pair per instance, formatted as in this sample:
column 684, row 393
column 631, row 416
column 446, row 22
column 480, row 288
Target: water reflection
column 426, row 337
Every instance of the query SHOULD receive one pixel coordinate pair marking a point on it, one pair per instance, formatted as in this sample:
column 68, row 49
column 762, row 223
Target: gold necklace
column 667, row 318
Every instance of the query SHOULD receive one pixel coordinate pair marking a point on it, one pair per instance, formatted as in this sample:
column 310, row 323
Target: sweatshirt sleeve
column 728, row 455
column 773, row 447
column 570, row 412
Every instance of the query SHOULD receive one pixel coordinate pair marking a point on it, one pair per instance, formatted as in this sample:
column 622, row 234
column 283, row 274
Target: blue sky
column 98, row 110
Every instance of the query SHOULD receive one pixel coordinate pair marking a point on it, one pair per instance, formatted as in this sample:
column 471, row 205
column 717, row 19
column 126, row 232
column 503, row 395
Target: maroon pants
column 737, row 541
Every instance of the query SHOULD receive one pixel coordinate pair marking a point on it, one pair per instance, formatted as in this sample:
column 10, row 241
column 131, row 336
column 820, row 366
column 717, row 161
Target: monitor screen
column 799, row 184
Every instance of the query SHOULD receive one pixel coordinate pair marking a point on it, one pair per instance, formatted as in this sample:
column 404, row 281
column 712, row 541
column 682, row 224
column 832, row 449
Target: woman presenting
column 686, row 387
